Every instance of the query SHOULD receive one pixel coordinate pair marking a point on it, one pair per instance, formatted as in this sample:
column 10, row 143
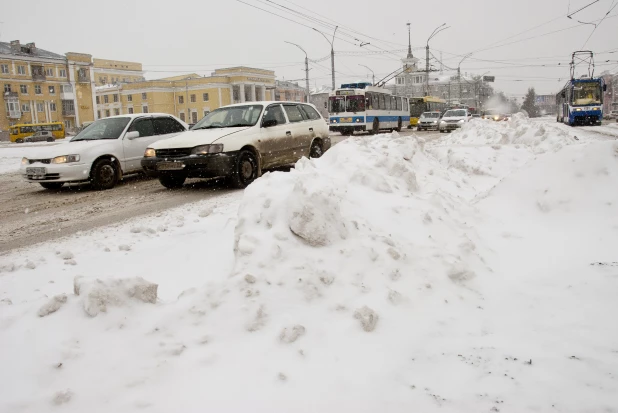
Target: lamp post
column 459, row 73
column 332, row 52
column 480, row 93
column 306, row 70
column 436, row 31
column 373, row 75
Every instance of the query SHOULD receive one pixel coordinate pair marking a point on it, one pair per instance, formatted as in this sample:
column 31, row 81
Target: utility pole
column 459, row 74
column 436, row 31
column 373, row 75
column 306, row 71
column 332, row 53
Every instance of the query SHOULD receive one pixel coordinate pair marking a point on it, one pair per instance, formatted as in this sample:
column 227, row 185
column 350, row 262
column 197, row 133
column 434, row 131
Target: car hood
column 429, row 119
column 193, row 138
column 454, row 118
column 68, row 148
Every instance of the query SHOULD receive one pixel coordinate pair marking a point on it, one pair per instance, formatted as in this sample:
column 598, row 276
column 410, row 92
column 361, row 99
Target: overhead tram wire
column 612, row 7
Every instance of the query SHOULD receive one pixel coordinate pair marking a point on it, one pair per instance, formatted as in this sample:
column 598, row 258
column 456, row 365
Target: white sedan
column 102, row 153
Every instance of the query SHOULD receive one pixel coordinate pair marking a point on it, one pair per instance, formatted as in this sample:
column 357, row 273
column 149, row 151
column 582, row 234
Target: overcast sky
column 173, row 37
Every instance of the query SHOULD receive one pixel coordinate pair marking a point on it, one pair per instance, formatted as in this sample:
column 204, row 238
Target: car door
column 315, row 126
column 273, row 131
column 134, row 148
column 300, row 134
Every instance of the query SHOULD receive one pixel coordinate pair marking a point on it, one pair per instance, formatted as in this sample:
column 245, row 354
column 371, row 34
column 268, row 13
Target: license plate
column 346, row 119
column 170, row 166
column 36, row 171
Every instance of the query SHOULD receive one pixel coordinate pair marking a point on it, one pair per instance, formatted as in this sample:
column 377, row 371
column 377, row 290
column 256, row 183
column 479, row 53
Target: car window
column 166, row 125
column 274, row 113
column 309, row 112
column 294, row 114
column 143, row 126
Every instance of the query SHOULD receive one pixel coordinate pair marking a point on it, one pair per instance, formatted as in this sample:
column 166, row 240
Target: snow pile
column 540, row 137
column 99, row 294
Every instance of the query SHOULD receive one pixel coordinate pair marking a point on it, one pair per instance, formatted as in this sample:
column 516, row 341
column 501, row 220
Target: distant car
column 102, row 153
column 476, row 115
column 238, row 142
column 40, row 136
column 453, row 119
column 428, row 120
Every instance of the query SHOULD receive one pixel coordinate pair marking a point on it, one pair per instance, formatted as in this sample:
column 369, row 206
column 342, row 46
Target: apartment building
column 190, row 96
column 290, row 91
column 41, row 86
column 116, row 71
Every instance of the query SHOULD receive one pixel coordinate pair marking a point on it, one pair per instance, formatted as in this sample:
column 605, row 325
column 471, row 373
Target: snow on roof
column 5, row 48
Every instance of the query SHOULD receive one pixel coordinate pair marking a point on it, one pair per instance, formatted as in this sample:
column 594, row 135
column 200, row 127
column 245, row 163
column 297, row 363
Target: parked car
column 40, row 136
column 102, row 153
column 476, row 115
column 238, row 142
column 428, row 120
column 453, row 119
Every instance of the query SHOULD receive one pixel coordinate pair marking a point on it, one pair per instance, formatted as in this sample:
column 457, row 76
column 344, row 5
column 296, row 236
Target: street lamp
column 459, row 73
column 437, row 30
column 332, row 52
column 373, row 75
column 306, row 70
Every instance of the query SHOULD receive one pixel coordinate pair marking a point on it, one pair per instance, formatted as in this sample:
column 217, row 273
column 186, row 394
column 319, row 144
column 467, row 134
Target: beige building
column 190, row 96
column 116, row 71
column 290, row 91
column 40, row 86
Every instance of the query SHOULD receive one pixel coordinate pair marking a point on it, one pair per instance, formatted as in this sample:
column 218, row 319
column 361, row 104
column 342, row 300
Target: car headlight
column 578, row 109
column 150, row 153
column 596, row 108
column 24, row 161
column 460, row 121
column 65, row 159
column 435, row 121
column 443, row 122
column 358, row 120
column 207, row 149
column 334, row 120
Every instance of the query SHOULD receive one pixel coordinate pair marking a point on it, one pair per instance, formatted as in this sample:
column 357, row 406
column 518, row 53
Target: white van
column 238, row 142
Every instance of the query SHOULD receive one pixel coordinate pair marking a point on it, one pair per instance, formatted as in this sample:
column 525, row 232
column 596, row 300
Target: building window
column 116, row 112
column 40, row 107
column 130, row 110
column 129, row 98
column 67, row 124
column 105, row 99
column 5, row 68
column 37, row 89
column 144, row 109
column 21, row 70
column 205, row 97
column 192, row 98
column 52, row 106
column 181, row 99
column 23, row 89
column 193, row 117
column 107, row 113
column 25, row 107
column 144, row 96
column 181, row 116
column 52, row 90
column 206, row 112
column 98, row 114
column 7, row 88
column 63, row 73
column 115, row 98
column 97, row 99
column 49, row 72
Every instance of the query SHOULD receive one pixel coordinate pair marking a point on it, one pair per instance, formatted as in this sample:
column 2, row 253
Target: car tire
column 245, row 169
column 28, row 140
column 375, row 128
column 173, row 181
column 51, row 185
column 104, row 175
column 20, row 140
column 399, row 123
column 51, row 139
column 316, row 150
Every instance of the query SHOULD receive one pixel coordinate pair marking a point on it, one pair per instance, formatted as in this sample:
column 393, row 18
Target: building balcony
column 10, row 96
column 68, row 113
column 13, row 114
column 38, row 73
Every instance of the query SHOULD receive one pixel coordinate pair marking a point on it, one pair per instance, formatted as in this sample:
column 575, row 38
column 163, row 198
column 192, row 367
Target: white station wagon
column 238, row 142
column 102, row 153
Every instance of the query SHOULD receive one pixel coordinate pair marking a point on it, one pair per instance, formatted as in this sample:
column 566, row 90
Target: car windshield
column 454, row 113
column 430, row 115
column 355, row 103
column 336, row 104
column 587, row 94
column 109, row 128
column 230, row 117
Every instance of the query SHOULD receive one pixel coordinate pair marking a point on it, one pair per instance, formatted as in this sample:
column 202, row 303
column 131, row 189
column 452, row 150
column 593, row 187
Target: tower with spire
column 410, row 62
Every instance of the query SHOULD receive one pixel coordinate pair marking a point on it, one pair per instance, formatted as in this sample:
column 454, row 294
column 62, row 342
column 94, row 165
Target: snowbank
column 390, row 274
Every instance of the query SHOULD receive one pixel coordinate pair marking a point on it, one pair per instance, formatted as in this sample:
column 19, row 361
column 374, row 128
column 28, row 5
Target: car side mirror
column 131, row 135
column 269, row 122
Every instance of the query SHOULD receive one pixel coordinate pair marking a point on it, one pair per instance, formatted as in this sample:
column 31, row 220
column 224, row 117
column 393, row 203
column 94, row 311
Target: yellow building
column 189, row 96
column 40, row 86
column 116, row 71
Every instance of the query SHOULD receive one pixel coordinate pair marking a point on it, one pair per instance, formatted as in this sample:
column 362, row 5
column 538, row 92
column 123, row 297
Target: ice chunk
column 99, row 294
column 52, row 305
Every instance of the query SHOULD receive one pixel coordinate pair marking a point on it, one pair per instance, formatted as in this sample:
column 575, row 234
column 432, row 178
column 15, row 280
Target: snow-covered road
column 475, row 272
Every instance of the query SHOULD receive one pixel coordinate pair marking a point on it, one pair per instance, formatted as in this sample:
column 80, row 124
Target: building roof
column 5, row 48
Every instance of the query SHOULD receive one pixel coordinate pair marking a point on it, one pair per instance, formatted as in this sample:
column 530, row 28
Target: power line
column 612, row 7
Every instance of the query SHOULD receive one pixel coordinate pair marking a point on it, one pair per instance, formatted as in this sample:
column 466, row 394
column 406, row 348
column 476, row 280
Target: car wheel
column 51, row 185
column 173, row 181
column 51, row 139
column 375, row 129
column 245, row 169
column 104, row 174
column 399, row 122
column 20, row 140
column 316, row 150
column 28, row 140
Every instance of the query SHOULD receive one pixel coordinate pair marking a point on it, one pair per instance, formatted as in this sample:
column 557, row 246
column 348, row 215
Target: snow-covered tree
column 529, row 104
